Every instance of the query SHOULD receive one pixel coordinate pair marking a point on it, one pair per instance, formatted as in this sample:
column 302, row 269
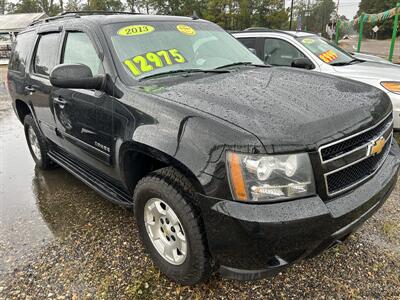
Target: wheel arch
column 136, row 160
column 22, row 109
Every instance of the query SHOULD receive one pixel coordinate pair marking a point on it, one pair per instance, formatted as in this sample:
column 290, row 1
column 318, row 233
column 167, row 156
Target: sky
column 348, row 8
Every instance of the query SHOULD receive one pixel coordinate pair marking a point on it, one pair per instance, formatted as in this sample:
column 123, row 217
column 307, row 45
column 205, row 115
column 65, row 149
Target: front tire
column 171, row 227
column 37, row 144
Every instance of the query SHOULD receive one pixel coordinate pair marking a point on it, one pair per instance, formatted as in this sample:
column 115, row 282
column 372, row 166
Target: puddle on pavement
column 35, row 206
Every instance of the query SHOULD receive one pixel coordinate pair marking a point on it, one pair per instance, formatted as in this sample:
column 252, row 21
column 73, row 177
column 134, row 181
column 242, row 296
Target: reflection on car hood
column 286, row 109
column 370, row 70
column 369, row 57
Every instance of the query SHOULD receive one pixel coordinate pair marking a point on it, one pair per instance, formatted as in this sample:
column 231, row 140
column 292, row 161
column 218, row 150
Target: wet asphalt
column 61, row 240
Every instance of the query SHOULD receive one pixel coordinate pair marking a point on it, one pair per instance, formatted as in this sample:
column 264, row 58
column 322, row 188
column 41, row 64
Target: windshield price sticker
column 185, row 29
column 328, row 56
column 135, row 30
column 308, row 41
column 154, row 60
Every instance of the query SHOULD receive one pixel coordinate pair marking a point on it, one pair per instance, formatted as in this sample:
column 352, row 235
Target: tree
column 106, row 5
column 320, row 15
column 72, row 5
column 230, row 14
column 2, row 7
column 270, row 13
column 26, row 6
column 49, row 7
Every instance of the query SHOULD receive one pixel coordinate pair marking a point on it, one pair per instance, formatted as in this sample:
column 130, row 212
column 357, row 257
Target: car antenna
column 195, row 16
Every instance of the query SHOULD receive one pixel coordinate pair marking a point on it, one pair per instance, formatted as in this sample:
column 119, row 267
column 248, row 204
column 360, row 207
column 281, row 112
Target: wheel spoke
column 159, row 208
column 180, row 234
column 177, row 257
column 168, row 251
column 172, row 216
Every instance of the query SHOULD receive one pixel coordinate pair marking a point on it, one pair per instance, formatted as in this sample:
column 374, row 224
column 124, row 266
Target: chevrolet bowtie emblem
column 377, row 146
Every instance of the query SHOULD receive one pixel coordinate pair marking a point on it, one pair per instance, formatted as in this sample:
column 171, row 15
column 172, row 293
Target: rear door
column 17, row 67
column 84, row 117
column 38, row 88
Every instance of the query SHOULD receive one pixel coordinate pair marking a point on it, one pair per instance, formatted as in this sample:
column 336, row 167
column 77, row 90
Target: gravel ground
column 60, row 240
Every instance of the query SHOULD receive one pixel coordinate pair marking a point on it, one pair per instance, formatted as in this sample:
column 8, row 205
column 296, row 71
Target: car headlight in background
column 269, row 177
column 392, row 86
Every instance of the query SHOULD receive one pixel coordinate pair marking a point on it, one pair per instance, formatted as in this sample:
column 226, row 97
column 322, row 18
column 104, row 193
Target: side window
column 21, row 48
column 248, row 42
column 79, row 49
column 46, row 53
column 280, row 53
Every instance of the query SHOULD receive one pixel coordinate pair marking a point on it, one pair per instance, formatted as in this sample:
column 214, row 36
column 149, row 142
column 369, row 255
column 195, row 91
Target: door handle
column 29, row 89
column 59, row 101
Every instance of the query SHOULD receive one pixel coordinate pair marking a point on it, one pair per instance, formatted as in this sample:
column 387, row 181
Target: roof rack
column 54, row 18
column 78, row 14
column 260, row 29
column 98, row 12
column 264, row 29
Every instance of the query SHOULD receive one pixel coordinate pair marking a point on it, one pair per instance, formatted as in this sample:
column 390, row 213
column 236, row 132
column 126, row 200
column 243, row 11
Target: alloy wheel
column 165, row 231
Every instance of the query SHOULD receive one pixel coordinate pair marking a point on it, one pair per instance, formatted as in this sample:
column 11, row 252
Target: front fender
column 189, row 137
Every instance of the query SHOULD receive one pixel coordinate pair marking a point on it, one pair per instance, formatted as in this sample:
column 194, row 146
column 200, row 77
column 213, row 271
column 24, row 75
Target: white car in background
column 312, row 52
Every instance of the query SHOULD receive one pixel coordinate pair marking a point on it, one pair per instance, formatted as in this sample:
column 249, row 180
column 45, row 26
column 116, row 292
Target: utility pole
column 307, row 15
column 291, row 15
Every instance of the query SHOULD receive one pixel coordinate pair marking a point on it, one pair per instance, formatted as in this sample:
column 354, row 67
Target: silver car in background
column 310, row 51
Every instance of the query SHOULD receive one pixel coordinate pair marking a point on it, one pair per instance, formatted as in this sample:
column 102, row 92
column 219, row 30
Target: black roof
column 105, row 17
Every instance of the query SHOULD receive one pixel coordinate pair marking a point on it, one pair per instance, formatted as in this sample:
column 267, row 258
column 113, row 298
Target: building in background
column 10, row 26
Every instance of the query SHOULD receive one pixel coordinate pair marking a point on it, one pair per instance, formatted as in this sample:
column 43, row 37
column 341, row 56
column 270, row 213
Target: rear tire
column 37, row 144
column 170, row 191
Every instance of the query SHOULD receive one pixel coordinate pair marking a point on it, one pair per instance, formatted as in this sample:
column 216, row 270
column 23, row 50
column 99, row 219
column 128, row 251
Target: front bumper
column 250, row 241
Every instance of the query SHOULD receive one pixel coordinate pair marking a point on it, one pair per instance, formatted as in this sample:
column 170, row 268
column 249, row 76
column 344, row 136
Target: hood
column 369, row 57
column 371, row 71
column 287, row 109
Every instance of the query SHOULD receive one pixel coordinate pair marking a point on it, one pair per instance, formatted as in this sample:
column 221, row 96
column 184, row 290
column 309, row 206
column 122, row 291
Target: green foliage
column 230, row 14
column 107, row 5
column 373, row 7
column 320, row 15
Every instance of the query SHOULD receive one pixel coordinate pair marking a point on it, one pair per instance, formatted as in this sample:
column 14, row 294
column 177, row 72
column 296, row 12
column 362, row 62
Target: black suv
column 229, row 165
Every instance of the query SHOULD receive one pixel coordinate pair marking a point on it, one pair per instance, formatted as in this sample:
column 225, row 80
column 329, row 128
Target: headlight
column 269, row 177
column 392, row 86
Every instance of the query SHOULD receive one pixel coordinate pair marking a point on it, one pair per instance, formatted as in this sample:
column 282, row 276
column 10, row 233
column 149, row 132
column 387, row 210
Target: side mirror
column 252, row 50
column 302, row 63
column 76, row 76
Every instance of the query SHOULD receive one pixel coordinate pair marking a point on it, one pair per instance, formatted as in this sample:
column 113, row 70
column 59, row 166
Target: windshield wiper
column 187, row 71
column 245, row 63
column 346, row 63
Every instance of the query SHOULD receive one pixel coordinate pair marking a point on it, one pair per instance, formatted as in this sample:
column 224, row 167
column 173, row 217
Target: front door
column 278, row 52
column 84, row 117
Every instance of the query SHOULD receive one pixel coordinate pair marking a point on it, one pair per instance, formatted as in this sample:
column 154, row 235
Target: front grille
column 347, row 177
column 331, row 151
column 350, row 161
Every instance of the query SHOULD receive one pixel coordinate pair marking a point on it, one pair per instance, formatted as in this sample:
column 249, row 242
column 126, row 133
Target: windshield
column 149, row 48
column 325, row 51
